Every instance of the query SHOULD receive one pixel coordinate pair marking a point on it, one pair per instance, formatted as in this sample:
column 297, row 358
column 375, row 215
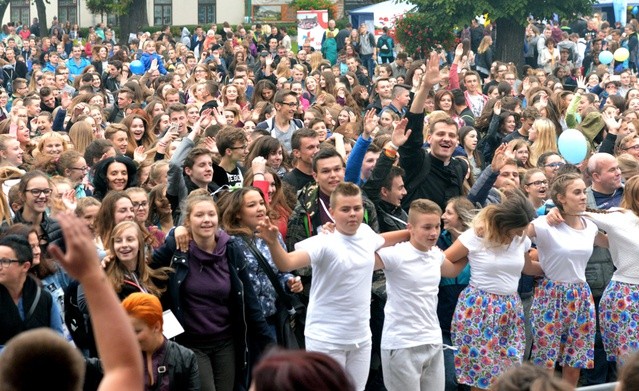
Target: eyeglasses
column 6, row 262
column 37, row 192
column 537, row 183
column 290, row 104
column 85, row 168
column 240, row 147
column 138, row 205
column 554, row 165
column 634, row 148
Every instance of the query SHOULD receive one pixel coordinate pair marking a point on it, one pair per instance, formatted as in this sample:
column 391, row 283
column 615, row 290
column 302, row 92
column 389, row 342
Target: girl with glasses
column 35, row 191
column 73, row 166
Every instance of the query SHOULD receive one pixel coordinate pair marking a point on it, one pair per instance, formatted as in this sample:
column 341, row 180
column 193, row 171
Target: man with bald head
column 606, row 190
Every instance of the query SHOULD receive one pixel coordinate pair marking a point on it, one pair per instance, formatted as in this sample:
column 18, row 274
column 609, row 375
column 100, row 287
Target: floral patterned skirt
column 618, row 319
column 563, row 325
column 488, row 331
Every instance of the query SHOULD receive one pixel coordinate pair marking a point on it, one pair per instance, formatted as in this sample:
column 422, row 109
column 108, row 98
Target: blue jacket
column 147, row 59
column 355, row 160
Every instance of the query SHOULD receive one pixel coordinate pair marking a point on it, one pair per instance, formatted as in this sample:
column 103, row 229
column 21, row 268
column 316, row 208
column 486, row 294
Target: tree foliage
column 511, row 15
column 420, row 33
column 308, row 5
column 460, row 12
column 116, row 7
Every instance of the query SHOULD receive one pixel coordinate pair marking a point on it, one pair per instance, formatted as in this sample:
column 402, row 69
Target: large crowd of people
column 420, row 213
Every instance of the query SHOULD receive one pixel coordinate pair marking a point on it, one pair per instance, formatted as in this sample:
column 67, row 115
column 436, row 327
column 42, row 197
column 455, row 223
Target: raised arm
column 284, row 261
column 430, row 78
column 121, row 361
column 356, row 157
column 453, row 73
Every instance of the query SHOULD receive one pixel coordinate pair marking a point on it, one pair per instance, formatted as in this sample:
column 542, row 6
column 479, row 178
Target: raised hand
column 371, row 120
column 499, row 158
column 400, row 134
column 210, row 144
column 258, row 165
column 581, row 82
column 613, row 124
column 459, row 51
column 139, row 155
column 268, row 232
column 80, row 259
column 497, row 108
column 432, row 76
column 69, row 200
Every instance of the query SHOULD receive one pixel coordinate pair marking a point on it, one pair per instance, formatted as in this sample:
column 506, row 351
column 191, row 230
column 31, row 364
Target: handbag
column 289, row 322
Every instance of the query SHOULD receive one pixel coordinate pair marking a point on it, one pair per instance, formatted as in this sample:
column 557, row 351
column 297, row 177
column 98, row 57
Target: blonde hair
column 546, row 139
column 47, row 136
column 81, row 135
column 628, row 164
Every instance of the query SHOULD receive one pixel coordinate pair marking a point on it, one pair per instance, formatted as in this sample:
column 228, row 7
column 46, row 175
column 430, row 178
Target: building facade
column 160, row 12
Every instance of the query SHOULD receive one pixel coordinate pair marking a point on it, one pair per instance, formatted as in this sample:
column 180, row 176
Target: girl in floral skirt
column 563, row 311
column 488, row 325
column 619, row 305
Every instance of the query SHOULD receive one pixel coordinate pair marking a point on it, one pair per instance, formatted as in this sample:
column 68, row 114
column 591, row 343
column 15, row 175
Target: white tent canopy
column 379, row 15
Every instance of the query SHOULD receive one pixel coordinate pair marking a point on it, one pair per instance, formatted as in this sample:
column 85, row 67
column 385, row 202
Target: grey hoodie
column 186, row 37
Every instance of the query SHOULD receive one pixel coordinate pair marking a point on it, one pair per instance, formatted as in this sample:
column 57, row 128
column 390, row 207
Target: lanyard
column 136, row 283
column 402, row 222
column 326, row 210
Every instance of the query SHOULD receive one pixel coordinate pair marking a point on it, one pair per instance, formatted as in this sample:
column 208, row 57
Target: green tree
column 510, row 17
column 131, row 13
column 42, row 15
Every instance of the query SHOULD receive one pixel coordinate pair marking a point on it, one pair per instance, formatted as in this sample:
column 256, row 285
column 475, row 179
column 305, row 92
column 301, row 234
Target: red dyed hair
column 144, row 306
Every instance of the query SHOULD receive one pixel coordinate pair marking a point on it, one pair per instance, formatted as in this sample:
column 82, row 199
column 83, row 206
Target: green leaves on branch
column 308, row 5
column 420, row 33
column 115, row 7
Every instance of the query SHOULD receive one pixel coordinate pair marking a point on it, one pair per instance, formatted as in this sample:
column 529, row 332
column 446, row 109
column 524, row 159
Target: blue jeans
column 369, row 63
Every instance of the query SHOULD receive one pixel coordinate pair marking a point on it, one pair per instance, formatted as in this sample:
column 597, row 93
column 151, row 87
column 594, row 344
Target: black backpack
column 77, row 322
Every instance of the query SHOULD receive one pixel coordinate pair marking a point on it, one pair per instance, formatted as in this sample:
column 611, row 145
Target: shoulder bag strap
column 266, row 267
column 35, row 303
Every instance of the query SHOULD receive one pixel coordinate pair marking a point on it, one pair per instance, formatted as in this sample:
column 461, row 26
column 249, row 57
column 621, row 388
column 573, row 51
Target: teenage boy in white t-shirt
column 412, row 356
column 337, row 320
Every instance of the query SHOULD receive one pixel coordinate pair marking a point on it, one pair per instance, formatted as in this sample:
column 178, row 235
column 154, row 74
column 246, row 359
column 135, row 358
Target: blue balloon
column 635, row 10
column 606, row 57
column 573, row 146
column 136, row 67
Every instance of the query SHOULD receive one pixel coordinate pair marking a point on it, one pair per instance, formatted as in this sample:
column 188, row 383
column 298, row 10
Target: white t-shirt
column 563, row 250
column 622, row 228
column 412, row 283
column 495, row 269
column 340, row 297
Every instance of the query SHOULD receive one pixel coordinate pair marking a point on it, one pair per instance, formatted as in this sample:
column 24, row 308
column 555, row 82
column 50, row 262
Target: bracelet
column 390, row 153
column 393, row 146
column 258, row 173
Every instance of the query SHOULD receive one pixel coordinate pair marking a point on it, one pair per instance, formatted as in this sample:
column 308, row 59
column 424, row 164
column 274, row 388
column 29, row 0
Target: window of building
column 205, row 11
column 162, row 12
column 20, row 12
column 68, row 11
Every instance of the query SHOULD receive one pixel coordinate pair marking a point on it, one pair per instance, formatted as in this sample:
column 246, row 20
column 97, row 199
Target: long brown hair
column 494, row 222
column 116, row 271
column 231, row 204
